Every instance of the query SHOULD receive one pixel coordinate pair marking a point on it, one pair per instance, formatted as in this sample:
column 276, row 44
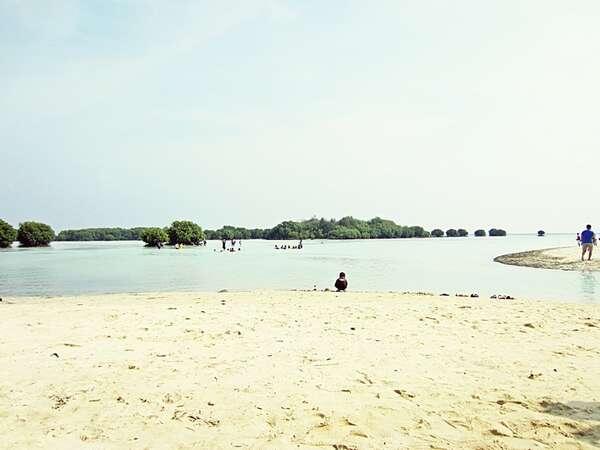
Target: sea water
column 437, row 265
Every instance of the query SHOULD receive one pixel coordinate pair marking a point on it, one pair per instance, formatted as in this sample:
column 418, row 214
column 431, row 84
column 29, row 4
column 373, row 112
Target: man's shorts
column 586, row 247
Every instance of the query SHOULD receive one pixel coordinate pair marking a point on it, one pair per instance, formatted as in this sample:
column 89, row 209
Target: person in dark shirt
column 341, row 283
column 588, row 239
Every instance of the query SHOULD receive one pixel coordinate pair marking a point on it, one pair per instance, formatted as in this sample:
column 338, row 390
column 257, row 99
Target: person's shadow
column 578, row 411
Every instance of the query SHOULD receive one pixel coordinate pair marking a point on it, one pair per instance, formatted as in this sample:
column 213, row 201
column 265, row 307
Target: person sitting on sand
column 341, row 283
column 588, row 239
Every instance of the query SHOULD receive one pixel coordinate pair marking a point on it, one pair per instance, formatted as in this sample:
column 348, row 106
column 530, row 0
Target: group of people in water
column 587, row 240
column 341, row 284
column 289, row 247
column 231, row 248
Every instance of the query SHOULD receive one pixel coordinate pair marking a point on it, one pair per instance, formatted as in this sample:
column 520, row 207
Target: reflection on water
column 589, row 283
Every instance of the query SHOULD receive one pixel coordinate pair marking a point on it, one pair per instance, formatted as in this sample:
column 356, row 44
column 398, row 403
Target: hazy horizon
column 137, row 113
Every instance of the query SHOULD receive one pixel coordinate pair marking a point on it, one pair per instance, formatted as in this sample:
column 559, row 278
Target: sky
column 466, row 113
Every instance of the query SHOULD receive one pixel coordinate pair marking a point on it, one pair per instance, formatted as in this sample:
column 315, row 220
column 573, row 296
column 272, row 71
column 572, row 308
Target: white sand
column 279, row 370
column 563, row 258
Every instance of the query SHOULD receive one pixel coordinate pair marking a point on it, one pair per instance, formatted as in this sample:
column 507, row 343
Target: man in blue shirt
column 588, row 239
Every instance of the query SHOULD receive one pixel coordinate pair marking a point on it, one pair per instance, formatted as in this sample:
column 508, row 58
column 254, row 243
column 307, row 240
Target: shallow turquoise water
column 449, row 265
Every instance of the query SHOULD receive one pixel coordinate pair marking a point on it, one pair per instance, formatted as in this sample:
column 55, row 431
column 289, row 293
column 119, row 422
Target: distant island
column 36, row 234
column 314, row 228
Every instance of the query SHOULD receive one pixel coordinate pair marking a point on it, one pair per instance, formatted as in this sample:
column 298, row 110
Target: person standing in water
column 341, row 283
column 224, row 243
column 588, row 239
column 578, row 239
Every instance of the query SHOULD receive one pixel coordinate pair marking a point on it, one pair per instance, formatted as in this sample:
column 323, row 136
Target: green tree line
column 345, row 228
column 101, row 234
column 189, row 233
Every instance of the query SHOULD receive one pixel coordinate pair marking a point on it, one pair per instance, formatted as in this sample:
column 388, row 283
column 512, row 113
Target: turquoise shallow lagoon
column 450, row 265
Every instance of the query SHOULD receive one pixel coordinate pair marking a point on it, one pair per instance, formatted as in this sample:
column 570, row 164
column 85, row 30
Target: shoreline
column 295, row 369
column 555, row 258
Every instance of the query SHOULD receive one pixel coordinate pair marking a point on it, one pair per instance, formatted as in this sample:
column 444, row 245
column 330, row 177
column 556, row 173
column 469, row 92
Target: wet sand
column 301, row 370
column 561, row 258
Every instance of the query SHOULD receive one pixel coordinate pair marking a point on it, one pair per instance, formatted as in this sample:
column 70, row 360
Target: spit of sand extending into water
column 563, row 258
column 279, row 370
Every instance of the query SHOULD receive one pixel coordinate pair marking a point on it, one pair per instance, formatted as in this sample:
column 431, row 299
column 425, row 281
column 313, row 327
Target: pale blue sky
column 439, row 113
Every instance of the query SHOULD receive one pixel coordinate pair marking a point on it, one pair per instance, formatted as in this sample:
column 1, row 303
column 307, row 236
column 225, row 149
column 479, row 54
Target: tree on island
column 437, row 233
column 346, row 228
column 497, row 232
column 462, row 232
column 154, row 236
column 185, row 232
column 541, row 233
column 480, row 233
column 451, row 233
column 7, row 234
column 35, row 234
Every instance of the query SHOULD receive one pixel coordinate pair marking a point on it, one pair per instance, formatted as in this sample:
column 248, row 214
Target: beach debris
column 533, row 376
column 474, row 295
column 120, row 399
column 352, row 328
column 359, row 434
column 529, row 325
column 365, row 379
column 132, row 367
column 171, row 307
column 59, row 401
column 222, row 291
column 402, row 393
column 499, row 433
column 460, row 295
column 444, row 295
column 54, row 354
column 494, row 296
column 343, row 447
column 66, row 344
column 178, row 414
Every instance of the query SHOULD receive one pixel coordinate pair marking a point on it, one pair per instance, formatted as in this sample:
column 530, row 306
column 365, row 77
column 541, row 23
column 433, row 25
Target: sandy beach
column 308, row 370
column 562, row 258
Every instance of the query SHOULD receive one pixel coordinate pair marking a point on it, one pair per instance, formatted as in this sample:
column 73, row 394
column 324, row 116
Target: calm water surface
column 449, row 265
